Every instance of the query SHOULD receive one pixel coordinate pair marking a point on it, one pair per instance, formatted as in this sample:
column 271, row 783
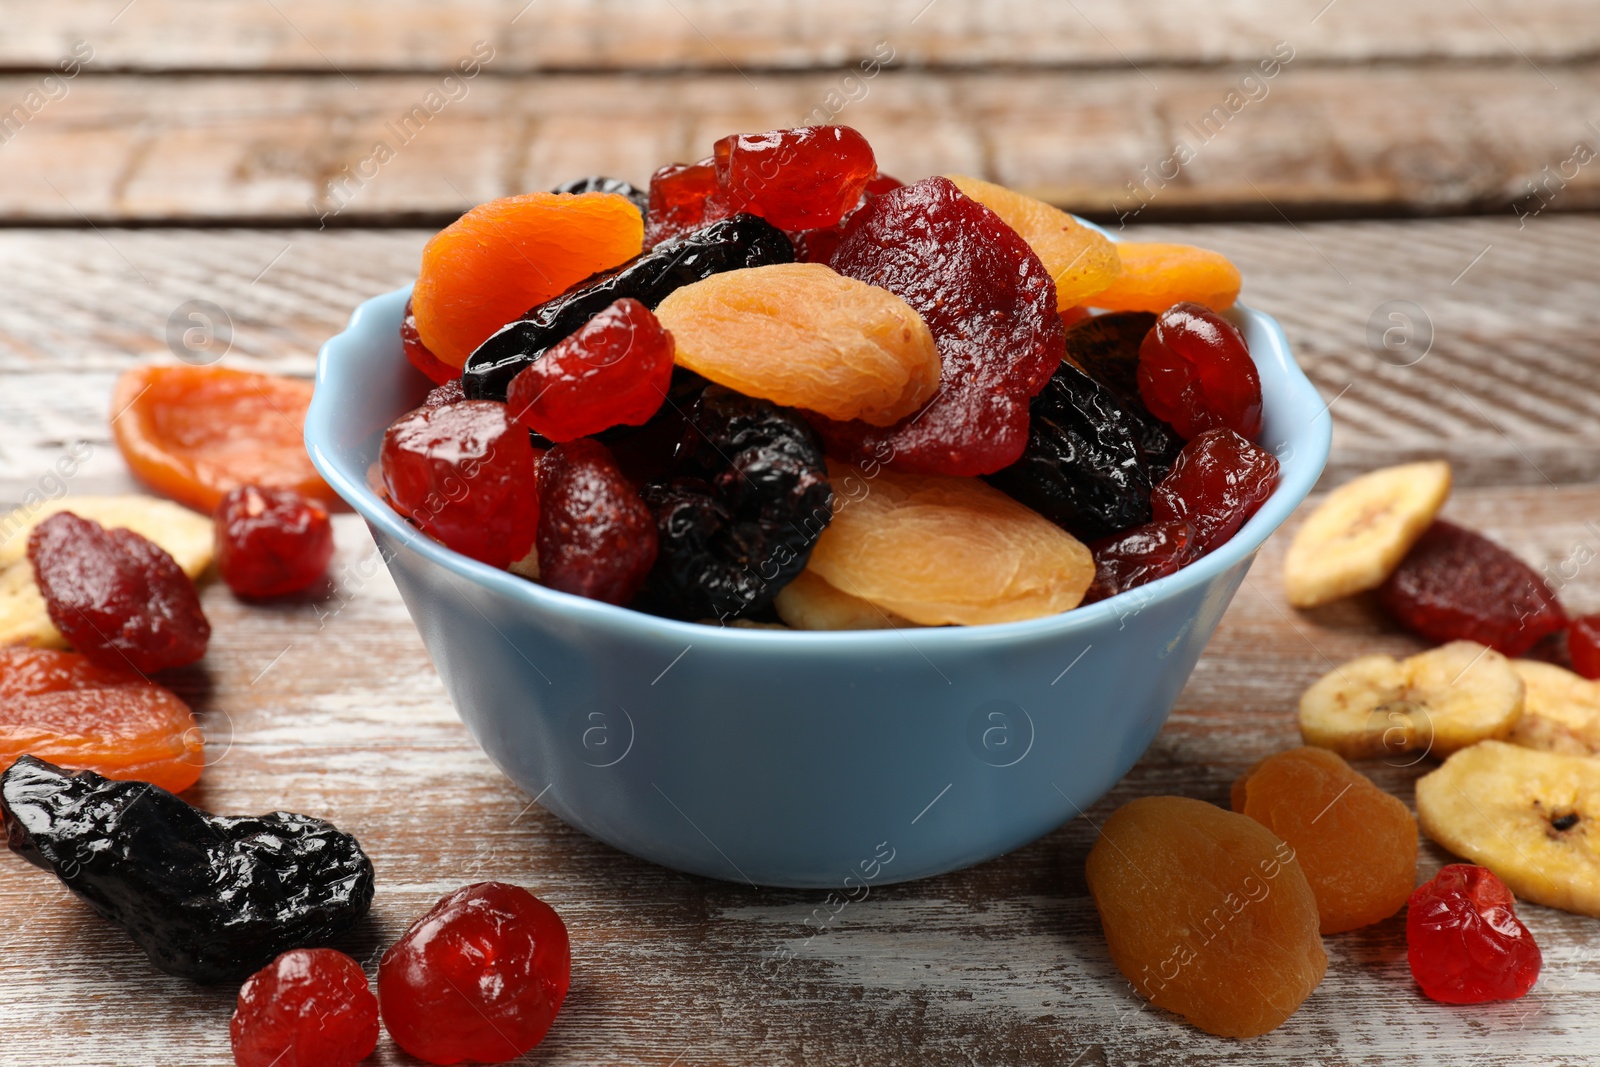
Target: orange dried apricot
column 938, row 550
column 801, row 335
column 1156, row 276
column 1207, row 914
column 60, row 707
column 1357, row 844
column 1082, row 261
column 506, row 256
column 194, row 433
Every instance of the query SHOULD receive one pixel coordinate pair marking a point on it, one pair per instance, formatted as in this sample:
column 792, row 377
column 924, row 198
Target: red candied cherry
column 597, row 537
column 464, row 474
column 1464, row 940
column 418, row 354
column 683, row 197
column 1196, row 373
column 1217, row 483
column 310, row 1007
column 1583, row 645
column 271, row 541
column 116, row 596
column 613, row 371
column 797, row 179
column 480, row 977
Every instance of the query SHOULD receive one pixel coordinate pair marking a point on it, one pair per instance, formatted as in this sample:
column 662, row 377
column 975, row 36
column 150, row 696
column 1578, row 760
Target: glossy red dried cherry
column 480, row 977
column 1217, row 483
column 270, row 542
column 1196, row 374
column 1464, row 940
column 1583, row 645
column 796, row 179
column 1457, row 585
column 310, row 1007
column 1134, row 557
column 614, row 371
column 597, row 537
column 117, row 597
column 464, row 474
column 418, row 355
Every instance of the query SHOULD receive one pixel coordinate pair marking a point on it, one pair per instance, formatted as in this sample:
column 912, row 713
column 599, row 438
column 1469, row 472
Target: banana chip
column 1561, row 712
column 186, row 536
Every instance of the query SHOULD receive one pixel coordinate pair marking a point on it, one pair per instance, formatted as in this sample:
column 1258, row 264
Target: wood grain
column 1499, row 136
column 358, row 35
column 1505, row 388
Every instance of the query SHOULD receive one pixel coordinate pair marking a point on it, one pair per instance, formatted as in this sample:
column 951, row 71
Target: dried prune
column 1082, row 469
column 741, row 241
column 797, row 179
column 118, row 597
column 613, row 370
column 597, row 538
column 464, row 474
column 480, row 977
column 1196, row 373
column 1137, row 556
column 1219, row 481
column 437, row 370
column 747, row 499
column 594, row 183
column 310, row 1007
column 1106, row 347
column 207, row 897
column 991, row 306
column 271, row 541
column 683, row 198
column 1455, row 584
column 1464, row 941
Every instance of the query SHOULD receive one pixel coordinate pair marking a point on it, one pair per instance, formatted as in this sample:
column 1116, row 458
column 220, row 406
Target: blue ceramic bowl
column 797, row 758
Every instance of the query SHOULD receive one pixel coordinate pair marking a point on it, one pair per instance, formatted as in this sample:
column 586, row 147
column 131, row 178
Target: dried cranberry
column 117, row 597
column 480, row 977
column 448, row 393
column 797, row 179
column 1455, row 585
column 1218, row 482
column 597, row 538
column 271, row 541
column 1196, row 373
column 613, row 371
column 417, row 353
column 1134, row 557
column 464, row 474
column 1464, row 940
column 1583, row 645
column 310, row 1007
column 683, row 197
column 991, row 306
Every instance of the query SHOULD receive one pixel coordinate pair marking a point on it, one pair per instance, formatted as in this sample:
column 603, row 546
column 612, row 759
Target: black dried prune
column 594, row 183
column 747, row 499
column 741, row 241
column 207, row 897
column 1106, row 347
column 1082, row 468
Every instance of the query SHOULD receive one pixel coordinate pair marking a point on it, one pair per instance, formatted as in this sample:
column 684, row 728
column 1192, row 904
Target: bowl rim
column 1308, row 446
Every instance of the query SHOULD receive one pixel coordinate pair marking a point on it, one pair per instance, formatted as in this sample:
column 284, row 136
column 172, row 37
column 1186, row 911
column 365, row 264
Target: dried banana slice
column 1528, row 816
column 186, row 535
column 1358, row 535
column 1561, row 710
column 1436, row 702
column 810, row 603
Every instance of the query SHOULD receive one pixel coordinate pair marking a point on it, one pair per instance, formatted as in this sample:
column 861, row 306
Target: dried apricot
column 1156, row 276
column 62, row 708
column 194, row 433
column 504, row 257
column 1356, row 843
column 940, row 550
column 1082, row 261
column 801, row 335
column 809, row 603
column 1207, row 914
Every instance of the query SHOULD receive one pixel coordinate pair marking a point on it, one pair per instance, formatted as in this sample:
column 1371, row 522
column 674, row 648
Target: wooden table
column 191, row 158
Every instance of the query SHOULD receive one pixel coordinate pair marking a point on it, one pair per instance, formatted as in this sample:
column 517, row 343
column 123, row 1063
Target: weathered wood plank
column 1506, row 388
column 1003, row 963
column 717, row 34
column 1112, row 144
